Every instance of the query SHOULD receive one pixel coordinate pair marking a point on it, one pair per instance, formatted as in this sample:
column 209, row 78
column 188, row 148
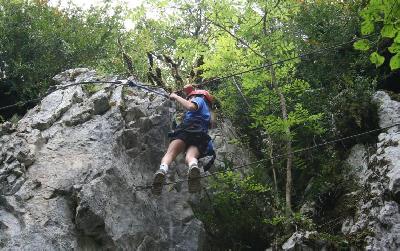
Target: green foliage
column 332, row 242
column 354, row 110
column 285, row 225
column 340, row 85
column 377, row 59
column 395, row 61
column 297, row 220
column 362, row 45
column 234, row 209
column 383, row 16
column 327, row 94
column 39, row 41
column 92, row 88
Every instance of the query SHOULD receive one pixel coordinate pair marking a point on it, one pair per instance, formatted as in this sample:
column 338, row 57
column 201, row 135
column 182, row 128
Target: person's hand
column 173, row 96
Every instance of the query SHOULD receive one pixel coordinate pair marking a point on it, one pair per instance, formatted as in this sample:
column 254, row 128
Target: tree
column 39, row 41
column 273, row 90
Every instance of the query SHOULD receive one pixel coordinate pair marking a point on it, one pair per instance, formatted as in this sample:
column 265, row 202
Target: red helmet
column 205, row 93
column 188, row 89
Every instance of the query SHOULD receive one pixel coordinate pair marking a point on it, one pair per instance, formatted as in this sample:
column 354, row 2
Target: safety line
column 140, row 86
column 88, row 82
column 144, row 187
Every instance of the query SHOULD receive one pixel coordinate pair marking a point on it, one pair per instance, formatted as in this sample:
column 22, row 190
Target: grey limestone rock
column 358, row 160
column 6, row 128
column 388, row 109
column 298, row 241
column 74, row 170
column 100, row 102
column 378, row 210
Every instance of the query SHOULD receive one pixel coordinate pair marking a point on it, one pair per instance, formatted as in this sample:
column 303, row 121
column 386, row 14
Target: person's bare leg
column 192, row 154
column 175, row 147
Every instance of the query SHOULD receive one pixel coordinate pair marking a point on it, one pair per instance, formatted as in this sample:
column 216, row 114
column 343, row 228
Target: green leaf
column 367, row 27
column 362, row 45
column 376, row 59
column 375, row 3
column 397, row 39
column 388, row 31
column 394, row 48
column 395, row 62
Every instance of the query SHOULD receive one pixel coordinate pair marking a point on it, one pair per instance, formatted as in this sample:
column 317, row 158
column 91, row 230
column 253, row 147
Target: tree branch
column 236, row 37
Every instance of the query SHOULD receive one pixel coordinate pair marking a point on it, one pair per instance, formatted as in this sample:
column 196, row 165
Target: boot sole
column 158, row 183
column 194, row 180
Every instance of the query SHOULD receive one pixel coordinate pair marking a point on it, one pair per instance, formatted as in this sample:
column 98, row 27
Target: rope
column 134, row 84
column 144, row 187
column 240, row 92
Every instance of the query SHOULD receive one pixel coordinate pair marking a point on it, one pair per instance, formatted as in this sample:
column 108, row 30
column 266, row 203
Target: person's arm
column 185, row 103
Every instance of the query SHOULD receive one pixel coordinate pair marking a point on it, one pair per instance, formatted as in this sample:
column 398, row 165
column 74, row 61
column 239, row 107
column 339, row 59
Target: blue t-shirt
column 202, row 114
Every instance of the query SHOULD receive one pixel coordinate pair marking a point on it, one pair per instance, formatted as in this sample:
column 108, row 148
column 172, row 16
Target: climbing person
column 190, row 136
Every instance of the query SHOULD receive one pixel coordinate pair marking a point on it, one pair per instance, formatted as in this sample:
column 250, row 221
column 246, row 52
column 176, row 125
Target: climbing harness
column 193, row 127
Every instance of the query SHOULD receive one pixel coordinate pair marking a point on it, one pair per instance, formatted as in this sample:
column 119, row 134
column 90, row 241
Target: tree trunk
column 289, row 153
column 271, row 157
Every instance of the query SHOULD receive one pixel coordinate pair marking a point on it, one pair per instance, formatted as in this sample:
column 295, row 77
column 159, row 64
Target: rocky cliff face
column 378, row 214
column 376, row 222
column 72, row 171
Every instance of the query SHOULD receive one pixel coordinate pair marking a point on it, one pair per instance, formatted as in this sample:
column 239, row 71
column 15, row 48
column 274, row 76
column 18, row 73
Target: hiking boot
column 158, row 182
column 194, row 184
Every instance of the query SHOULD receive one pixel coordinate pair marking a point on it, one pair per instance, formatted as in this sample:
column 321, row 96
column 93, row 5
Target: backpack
column 210, row 152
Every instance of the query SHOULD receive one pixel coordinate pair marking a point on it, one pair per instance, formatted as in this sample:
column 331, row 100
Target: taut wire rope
column 144, row 187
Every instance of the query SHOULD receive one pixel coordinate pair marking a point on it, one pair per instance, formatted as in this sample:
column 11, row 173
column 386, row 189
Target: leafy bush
column 234, row 210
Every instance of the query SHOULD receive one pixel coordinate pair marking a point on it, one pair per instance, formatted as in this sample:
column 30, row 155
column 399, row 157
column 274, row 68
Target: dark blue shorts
column 198, row 139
